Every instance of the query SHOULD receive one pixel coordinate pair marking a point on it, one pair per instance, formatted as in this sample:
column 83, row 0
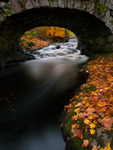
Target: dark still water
column 32, row 97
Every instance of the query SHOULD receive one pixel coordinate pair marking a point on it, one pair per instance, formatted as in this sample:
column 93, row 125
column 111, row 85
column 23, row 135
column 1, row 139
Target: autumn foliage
column 92, row 108
column 42, row 36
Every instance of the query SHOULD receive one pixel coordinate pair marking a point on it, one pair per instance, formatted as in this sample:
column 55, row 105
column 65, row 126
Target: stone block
column 16, row 6
column 109, row 4
column 61, row 3
column 101, row 41
column 28, row 5
column 106, row 17
column 108, row 47
column 70, row 4
column 55, row 4
column 110, row 38
column 44, row 3
column 35, row 4
column 90, row 7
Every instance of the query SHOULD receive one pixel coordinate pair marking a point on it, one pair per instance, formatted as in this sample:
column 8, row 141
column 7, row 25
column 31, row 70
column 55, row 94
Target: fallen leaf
column 85, row 143
column 75, row 117
column 94, row 148
column 92, row 131
column 86, row 121
column 92, row 125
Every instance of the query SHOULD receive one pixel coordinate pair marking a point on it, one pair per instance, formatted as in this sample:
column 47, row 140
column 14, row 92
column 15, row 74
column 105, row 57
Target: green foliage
column 22, row 3
column 10, row 12
column 89, row 88
column 110, row 56
column 111, row 21
column 22, row 40
column 68, row 32
column 6, row 6
column 87, row 66
column 27, row 33
column 1, row 11
column 30, row 44
column 101, row 7
column 34, row 32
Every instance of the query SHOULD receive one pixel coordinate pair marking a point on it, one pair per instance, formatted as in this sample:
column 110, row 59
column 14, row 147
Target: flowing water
column 33, row 94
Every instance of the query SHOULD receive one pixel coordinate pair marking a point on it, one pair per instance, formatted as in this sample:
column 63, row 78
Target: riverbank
column 40, row 37
column 87, row 122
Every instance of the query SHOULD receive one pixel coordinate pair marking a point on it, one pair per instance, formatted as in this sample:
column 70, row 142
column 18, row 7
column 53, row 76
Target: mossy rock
column 2, row 12
column 101, row 138
column 9, row 12
column 6, row 6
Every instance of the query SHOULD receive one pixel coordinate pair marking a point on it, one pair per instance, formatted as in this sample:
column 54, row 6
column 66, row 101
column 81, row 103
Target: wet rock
column 51, row 54
column 61, row 53
column 58, row 46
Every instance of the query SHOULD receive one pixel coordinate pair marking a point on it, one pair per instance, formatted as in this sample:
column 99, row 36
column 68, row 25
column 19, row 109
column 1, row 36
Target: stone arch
column 91, row 32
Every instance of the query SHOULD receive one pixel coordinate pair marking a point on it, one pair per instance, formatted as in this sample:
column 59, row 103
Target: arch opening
column 40, row 37
column 90, row 31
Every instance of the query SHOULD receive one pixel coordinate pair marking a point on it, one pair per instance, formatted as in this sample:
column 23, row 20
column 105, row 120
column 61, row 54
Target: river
column 33, row 94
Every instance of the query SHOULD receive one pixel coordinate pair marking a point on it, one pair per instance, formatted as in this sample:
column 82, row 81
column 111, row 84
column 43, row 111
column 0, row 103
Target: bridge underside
column 91, row 32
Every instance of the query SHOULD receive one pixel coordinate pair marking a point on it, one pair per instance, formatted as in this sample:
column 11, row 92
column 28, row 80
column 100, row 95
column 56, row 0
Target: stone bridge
column 90, row 20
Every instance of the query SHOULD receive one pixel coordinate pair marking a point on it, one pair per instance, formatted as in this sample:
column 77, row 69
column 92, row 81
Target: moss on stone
column 1, row 11
column 9, row 12
column 101, row 7
column 22, row 4
column 111, row 21
column 77, row 143
column 6, row 6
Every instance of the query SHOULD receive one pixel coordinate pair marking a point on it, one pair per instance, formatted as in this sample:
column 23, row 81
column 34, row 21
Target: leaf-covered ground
column 92, row 108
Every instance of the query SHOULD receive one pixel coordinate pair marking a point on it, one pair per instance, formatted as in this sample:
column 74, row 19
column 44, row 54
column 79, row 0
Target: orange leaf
column 101, row 104
column 90, row 117
column 111, row 100
column 73, row 126
column 77, row 110
column 85, row 143
column 86, row 121
column 75, row 117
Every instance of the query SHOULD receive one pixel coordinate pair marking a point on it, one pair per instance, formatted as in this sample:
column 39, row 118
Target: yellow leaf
column 85, row 98
column 92, row 125
column 92, row 131
column 107, row 148
column 94, row 148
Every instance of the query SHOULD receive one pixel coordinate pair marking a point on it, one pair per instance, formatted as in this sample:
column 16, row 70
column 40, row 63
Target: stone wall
column 90, row 20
